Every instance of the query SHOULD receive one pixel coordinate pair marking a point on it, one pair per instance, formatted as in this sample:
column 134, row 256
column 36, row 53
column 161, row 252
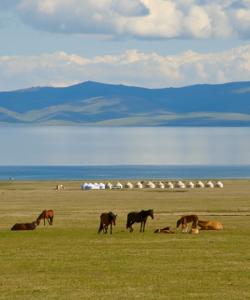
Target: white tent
column 200, row 184
column 150, row 185
column 160, row 185
column 190, row 185
column 219, row 184
column 209, row 184
column 138, row 185
column 128, row 185
column 118, row 185
column 108, row 186
column 169, row 185
column 180, row 185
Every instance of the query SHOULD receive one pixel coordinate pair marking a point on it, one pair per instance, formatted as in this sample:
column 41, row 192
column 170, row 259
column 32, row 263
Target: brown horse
column 106, row 220
column 210, row 225
column 164, row 230
column 24, row 226
column 184, row 220
column 139, row 217
column 46, row 215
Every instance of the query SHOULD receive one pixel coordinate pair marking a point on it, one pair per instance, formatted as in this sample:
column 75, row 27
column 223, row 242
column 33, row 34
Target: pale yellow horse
column 210, row 225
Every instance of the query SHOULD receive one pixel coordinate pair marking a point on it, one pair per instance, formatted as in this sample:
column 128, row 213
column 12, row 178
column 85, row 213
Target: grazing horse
column 210, row 225
column 139, row 217
column 106, row 220
column 46, row 215
column 184, row 220
column 24, row 226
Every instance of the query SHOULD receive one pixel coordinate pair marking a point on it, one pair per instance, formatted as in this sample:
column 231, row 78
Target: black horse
column 106, row 220
column 139, row 217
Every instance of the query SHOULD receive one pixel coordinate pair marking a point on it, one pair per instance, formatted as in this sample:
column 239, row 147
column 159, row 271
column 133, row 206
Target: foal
column 184, row 220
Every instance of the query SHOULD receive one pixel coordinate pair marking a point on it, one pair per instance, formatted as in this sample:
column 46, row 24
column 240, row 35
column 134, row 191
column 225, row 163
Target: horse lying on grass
column 210, row 225
column 164, row 230
column 24, row 226
column 106, row 220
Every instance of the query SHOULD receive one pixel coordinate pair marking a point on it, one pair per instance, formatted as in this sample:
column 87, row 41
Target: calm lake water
column 123, row 146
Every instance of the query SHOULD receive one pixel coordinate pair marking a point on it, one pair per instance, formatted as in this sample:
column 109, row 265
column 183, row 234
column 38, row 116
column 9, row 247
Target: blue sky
column 151, row 43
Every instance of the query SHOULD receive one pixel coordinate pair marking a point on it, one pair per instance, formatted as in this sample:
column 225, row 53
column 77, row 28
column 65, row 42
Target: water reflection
column 116, row 146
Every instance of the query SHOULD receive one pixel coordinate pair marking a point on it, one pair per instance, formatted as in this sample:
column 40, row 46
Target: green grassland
column 69, row 260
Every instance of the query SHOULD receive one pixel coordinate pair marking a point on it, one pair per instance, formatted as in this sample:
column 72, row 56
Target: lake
column 126, row 146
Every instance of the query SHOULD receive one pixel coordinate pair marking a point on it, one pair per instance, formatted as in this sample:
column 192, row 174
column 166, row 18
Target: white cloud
column 138, row 18
column 131, row 67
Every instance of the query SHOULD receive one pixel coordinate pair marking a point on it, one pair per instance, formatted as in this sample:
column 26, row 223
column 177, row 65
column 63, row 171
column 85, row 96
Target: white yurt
column 102, row 186
column 90, row 186
column 128, row 185
column 219, row 184
column 169, row 185
column 108, row 186
column 190, row 185
column 200, row 184
column 138, row 185
column 118, row 185
column 209, row 184
column 150, row 185
column 160, row 185
column 179, row 184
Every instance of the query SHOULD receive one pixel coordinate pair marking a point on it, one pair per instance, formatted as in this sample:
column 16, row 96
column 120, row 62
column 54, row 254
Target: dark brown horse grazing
column 139, row 217
column 46, row 215
column 184, row 220
column 24, row 226
column 106, row 220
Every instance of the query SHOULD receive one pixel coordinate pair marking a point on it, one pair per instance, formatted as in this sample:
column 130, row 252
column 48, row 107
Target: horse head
column 151, row 213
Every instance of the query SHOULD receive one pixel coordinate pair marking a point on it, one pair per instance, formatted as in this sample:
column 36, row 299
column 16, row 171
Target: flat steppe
column 69, row 260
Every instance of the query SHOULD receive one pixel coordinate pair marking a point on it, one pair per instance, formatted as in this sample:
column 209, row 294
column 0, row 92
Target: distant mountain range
column 98, row 104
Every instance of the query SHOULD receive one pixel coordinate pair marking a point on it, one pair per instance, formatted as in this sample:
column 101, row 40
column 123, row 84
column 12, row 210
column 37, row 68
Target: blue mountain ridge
column 99, row 104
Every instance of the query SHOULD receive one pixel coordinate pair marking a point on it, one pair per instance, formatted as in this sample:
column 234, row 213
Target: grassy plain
column 69, row 260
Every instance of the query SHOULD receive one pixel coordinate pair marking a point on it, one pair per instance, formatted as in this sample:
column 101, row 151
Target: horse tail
column 100, row 227
column 128, row 222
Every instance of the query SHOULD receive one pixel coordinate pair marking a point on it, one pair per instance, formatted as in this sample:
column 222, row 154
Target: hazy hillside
column 93, row 103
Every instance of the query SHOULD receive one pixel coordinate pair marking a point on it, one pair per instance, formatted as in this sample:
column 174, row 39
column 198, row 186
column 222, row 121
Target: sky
column 148, row 43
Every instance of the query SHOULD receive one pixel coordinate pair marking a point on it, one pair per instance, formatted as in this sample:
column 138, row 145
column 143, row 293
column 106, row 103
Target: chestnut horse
column 46, row 215
column 106, row 220
column 25, row 226
column 210, row 225
column 184, row 220
column 139, row 217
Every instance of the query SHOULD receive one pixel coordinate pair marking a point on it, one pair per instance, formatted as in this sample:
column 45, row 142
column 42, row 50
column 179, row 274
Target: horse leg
column 51, row 220
column 44, row 221
column 144, row 222
column 111, row 228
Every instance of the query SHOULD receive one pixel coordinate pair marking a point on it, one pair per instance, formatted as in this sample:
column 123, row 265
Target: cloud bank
column 148, row 19
column 131, row 67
